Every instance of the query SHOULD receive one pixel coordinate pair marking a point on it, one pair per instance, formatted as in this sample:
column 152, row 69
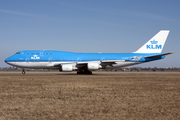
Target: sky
column 89, row 26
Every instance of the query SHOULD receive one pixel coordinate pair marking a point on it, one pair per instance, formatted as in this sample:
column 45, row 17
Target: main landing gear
column 84, row 72
column 23, row 71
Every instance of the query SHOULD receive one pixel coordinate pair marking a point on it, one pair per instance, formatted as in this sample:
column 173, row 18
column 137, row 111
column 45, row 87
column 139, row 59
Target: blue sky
column 107, row 26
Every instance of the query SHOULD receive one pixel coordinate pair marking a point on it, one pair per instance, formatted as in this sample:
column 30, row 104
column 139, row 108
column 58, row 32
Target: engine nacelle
column 93, row 66
column 66, row 68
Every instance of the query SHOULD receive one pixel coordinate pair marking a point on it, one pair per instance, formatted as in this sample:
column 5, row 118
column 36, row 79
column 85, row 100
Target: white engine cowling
column 93, row 66
column 66, row 68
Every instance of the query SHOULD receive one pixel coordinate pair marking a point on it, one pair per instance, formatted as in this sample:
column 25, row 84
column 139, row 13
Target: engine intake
column 93, row 66
column 66, row 68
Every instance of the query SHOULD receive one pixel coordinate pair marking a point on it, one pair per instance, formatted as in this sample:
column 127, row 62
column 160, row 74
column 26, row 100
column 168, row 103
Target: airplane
column 85, row 63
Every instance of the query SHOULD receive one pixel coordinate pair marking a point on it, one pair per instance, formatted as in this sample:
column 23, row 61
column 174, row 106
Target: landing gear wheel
column 88, row 72
column 23, row 72
column 84, row 72
column 80, row 72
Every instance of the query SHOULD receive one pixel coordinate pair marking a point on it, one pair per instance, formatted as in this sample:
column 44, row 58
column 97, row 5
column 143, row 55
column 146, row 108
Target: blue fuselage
column 77, row 61
column 61, row 56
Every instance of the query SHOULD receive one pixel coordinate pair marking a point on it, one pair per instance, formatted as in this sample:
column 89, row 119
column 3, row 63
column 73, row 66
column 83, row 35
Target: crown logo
column 154, row 42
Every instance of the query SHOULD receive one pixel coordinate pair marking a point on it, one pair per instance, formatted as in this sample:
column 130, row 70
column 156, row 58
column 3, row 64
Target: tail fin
column 155, row 44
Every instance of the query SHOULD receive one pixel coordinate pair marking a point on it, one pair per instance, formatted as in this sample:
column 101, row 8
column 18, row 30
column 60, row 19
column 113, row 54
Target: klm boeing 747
column 85, row 63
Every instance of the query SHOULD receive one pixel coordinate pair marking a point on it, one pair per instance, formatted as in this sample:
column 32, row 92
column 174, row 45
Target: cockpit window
column 18, row 53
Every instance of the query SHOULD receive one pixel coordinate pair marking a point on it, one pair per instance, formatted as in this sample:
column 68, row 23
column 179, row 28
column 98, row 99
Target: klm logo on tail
column 153, row 45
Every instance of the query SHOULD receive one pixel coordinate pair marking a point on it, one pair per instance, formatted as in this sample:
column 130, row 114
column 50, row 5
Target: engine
column 66, row 68
column 93, row 66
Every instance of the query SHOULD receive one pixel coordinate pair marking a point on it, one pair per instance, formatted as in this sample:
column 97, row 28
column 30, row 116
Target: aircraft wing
column 110, row 62
column 84, row 64
column 103, row 63
column 60, row 64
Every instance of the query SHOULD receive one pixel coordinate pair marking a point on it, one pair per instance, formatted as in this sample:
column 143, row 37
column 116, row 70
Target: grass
column 100, row 96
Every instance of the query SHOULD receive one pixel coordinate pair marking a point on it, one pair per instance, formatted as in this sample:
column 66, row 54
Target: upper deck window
column 18, row 53
column 48, row 53
column 33, row 53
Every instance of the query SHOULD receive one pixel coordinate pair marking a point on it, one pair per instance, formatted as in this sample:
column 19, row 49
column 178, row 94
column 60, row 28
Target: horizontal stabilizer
column 154, row 56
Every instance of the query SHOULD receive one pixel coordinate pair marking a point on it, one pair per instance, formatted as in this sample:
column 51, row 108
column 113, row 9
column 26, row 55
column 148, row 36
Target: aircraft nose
column 6, row 60
column 9, row 61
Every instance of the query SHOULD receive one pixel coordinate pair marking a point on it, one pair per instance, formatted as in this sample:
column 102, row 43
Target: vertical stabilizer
column 155, row 44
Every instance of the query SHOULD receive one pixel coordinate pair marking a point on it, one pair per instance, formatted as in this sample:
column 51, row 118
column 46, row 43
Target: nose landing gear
column 23, row 71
